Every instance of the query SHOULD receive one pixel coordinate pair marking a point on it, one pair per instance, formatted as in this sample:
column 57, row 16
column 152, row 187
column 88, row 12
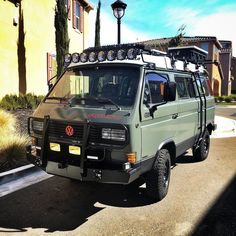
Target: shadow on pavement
column 185, row 159
column 59, row 204
column 220, row 220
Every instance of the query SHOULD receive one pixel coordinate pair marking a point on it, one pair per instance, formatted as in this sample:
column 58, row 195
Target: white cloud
column 219, row 24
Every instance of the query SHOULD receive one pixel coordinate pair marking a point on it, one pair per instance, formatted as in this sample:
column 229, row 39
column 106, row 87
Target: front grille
column 57, row 129
column 95, row 134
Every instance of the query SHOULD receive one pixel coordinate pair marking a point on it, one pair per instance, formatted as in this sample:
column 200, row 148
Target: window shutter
column 81, row 19
column 49, row 67
column 69, row 10
column 74, row 13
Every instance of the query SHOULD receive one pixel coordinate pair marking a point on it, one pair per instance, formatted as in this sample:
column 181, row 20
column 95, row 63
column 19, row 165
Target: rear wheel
column 201, row 153
column 158, row 178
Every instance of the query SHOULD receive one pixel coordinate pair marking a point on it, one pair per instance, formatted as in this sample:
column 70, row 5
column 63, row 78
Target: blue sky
column 150, row 19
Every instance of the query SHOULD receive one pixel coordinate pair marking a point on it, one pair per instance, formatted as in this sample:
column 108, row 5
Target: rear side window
column 205, row 88
column 185, row 87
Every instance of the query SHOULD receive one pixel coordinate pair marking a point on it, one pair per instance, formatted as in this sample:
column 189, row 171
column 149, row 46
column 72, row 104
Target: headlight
column 37, row 125
column 113, row 134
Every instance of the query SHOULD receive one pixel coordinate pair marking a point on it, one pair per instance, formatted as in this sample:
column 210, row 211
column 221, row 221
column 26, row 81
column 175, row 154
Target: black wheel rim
column 205, row 146
column 166, row 175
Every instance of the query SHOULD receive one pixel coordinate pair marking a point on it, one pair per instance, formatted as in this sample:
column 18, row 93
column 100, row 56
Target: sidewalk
column 225, row 128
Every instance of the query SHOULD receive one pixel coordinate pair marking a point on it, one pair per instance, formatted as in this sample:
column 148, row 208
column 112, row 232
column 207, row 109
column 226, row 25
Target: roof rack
column 192, row 54
column 137, row 51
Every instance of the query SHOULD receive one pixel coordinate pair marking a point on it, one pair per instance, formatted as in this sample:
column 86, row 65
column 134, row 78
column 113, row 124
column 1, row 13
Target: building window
column 51, row 68
column 78, row 15
column 204, row 46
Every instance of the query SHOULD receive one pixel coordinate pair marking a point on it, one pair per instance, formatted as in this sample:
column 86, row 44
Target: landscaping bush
column 228, row 99
column 12, row 144
column 14, row 102
column 219, row 99
column 233, row 96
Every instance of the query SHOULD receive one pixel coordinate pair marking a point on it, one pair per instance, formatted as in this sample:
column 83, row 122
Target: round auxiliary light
column 92, row 56
column 75, row 57
column 121, row 54
column 101, row 56
column 131, row 54
column 83, row 57
column 111, row 55
column 67, row 58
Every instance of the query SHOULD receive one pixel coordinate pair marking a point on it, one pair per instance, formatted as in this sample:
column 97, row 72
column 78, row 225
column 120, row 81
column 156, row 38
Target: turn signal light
column 131, row 157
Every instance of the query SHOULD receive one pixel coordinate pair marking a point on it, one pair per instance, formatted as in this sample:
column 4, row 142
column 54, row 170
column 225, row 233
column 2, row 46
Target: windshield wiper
column 103, row 101
column 57, row 98
column 107, row 101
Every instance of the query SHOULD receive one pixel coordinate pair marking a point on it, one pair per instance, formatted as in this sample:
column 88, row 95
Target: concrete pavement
column 225, row 128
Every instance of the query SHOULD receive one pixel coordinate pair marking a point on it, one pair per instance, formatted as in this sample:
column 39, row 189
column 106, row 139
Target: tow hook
column 98, row 174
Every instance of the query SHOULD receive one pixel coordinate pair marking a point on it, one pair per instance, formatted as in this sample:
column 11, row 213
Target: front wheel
column 158, row 178
column 201, row 153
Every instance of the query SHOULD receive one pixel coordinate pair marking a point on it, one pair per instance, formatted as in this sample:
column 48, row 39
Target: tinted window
column 154, row 88
column 182, row 87
column 205, row 88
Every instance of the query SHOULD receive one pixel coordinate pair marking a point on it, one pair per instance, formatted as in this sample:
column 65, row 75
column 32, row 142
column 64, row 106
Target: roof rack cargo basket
column 192, row 54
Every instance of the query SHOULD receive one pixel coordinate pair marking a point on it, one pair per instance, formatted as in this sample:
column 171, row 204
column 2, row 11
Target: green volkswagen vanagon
column 124, row 112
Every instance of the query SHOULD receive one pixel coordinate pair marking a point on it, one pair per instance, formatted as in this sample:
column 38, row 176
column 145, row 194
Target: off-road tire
column 201, row 153
column 158, row 178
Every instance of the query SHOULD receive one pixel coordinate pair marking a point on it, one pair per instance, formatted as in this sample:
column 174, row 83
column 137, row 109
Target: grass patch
column 12, row 144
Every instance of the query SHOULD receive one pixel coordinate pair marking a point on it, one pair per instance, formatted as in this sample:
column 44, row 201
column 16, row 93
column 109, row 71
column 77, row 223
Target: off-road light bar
column 109, row 53
column 75, row 57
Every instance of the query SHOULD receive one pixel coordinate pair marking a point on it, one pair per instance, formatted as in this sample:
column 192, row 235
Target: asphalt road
column 201, row 201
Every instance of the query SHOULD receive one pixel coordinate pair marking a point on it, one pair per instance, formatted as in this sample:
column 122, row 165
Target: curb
column 19, row 178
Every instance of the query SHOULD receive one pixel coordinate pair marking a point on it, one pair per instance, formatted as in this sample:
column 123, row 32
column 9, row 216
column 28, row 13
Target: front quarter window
column 154, row 88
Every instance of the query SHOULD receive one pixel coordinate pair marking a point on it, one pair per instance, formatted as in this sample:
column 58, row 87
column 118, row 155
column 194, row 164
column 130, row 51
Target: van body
column 116, row 117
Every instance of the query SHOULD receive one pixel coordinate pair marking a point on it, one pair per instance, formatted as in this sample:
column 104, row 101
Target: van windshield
column 97, row 86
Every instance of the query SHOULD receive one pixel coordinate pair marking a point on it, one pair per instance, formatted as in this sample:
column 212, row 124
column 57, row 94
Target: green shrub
column 233, row 96
column 228, row 99
column 13, row 102
column 220, row 99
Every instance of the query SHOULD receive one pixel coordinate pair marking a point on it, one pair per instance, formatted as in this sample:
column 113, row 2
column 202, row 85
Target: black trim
column 45, row 144
column 185, row 145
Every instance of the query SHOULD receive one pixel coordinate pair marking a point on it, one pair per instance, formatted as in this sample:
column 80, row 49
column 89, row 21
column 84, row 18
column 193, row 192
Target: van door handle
column 174, row 116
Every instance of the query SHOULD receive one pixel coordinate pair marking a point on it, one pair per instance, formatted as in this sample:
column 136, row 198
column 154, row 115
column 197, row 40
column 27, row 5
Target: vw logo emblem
column 69, row 130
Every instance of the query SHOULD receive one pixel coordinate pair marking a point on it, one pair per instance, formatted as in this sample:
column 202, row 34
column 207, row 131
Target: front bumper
column 114, row 176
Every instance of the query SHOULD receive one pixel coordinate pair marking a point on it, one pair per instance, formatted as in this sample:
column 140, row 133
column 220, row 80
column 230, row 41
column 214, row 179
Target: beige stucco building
column 27, row 42
column 209, row 44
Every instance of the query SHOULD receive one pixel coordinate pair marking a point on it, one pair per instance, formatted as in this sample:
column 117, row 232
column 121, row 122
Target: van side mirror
column 170, row 93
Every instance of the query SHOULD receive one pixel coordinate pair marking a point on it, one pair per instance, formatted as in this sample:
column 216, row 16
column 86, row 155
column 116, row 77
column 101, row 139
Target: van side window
column 182, row 87
column 205, row 85
column 154, row 88
column 191, row 88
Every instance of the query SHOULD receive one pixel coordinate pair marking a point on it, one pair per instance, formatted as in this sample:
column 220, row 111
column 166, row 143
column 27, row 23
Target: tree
column 61, row 33
column 21, row 53
column 177, row 40
column 97, row 26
